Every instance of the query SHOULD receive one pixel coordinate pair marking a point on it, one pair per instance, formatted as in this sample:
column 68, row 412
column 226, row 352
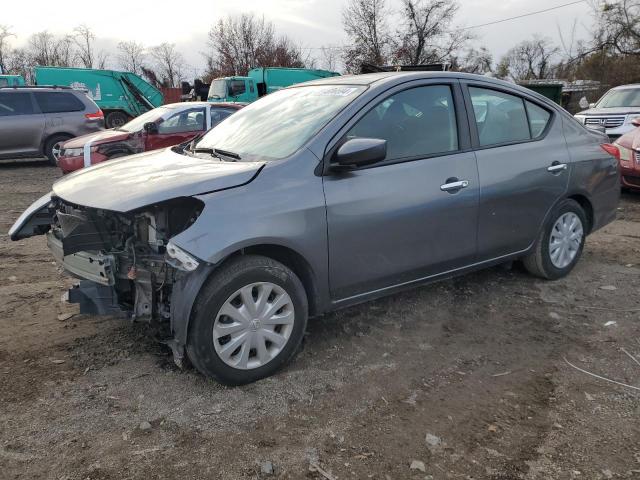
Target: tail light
column 611, row 149
column 95, row 115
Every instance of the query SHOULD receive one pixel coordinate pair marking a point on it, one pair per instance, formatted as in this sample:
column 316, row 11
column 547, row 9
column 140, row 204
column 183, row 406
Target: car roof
column 392, row 78
column 627, row 87
column 236, row 105
column 384, row 80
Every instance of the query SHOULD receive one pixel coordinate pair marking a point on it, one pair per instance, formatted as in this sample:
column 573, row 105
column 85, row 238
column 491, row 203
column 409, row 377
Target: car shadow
column 25, row 162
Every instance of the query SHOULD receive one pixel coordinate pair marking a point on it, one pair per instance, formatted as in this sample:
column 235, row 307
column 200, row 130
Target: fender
column 187, row 288
column 185, row 292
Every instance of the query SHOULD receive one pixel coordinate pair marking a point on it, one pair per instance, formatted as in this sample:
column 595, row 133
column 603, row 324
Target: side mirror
column 635, row 122
column 359, row 152
column 150, row 127
column 592, row 105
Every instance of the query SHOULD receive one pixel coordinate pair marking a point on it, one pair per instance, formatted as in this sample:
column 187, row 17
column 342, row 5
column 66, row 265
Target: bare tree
column 41, row 48
column 330, row 57
column 479, row 61
column 102, row 60
column 239, row 43
column 151, row 76
column 83, row 38
column 169, row 63
column 131, row 56
column 617, row 26
column 5, row 47
column 19, row 63
column 364, row 22
column 44, row 48
column 531, row 59
column 427, row 35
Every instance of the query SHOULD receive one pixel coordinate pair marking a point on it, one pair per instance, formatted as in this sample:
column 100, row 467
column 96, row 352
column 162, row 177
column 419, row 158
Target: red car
column 629, row 157
column 158, row 128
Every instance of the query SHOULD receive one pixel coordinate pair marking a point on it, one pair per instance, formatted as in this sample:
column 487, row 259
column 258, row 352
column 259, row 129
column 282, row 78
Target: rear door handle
column 557, row 167
column 457, row 185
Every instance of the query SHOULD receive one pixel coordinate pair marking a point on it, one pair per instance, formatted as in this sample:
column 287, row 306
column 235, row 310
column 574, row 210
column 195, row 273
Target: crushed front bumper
column 93, row 266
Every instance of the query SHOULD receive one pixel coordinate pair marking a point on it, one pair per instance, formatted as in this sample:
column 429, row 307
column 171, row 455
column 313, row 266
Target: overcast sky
column 312, row 23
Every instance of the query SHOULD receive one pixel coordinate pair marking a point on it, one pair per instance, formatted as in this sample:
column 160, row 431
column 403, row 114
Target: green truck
column 260, row 82
column 120, row 95
column 11, row 80
column 552, row 89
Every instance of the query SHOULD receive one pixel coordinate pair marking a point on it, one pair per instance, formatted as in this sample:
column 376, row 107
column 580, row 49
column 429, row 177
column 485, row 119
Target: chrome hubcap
column 253, row 325
column 55, row 151
column 565, row 240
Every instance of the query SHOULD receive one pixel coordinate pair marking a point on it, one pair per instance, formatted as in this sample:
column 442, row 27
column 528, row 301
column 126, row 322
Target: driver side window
column 191, row 120
column 417, row 122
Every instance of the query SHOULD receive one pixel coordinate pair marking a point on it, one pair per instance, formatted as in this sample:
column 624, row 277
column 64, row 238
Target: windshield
column 217, row 89
column 277, row 125
column 137, row 123
column 625, row 97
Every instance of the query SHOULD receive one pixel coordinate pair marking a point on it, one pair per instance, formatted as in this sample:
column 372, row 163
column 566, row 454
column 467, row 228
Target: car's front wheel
column 248, row 321
column 53, row 147
column 560, row 244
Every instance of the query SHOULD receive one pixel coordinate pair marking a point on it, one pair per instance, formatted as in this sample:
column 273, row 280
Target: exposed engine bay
column 127, row 257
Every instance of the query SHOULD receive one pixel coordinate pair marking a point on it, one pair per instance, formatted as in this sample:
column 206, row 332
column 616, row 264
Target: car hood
column 133, row 182
column 104, row 136
column 610, row 111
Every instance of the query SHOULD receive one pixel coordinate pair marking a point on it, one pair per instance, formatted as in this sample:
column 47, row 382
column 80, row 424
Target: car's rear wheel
column 53, row 147
column 248, row 321
column 561, row 242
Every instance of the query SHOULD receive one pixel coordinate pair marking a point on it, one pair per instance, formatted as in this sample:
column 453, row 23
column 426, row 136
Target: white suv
column 615, row 111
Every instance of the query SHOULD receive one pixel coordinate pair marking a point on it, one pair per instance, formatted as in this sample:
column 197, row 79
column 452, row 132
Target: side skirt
column 383, row 292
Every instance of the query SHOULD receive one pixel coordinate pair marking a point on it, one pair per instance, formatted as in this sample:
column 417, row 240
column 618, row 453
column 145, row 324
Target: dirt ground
column 467, row 376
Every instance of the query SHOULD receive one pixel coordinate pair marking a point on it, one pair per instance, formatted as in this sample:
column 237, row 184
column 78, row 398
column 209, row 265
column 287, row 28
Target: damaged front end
column 126, row 261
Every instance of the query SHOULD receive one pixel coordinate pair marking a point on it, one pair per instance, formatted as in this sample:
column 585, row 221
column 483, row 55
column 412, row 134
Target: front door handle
column 557, row 167
column 453, row 185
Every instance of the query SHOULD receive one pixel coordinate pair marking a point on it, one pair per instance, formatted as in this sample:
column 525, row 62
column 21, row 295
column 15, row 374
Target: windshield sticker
column 336, row 91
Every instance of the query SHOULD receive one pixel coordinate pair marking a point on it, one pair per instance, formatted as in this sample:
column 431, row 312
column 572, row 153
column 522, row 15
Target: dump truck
column 11, row 80
column 260, row 82
column 120, row 95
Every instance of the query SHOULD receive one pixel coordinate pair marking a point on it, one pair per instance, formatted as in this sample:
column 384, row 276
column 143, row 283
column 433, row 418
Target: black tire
column 119, row 155
column 54, row 142
column 539, row 262
column 116, row 119
column 237, row 273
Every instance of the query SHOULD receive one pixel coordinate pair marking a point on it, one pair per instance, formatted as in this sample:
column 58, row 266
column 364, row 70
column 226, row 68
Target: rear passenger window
column 15, row 104
column 417, row 122
column 500, row 117
column 538, row 119
column 58, row 102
